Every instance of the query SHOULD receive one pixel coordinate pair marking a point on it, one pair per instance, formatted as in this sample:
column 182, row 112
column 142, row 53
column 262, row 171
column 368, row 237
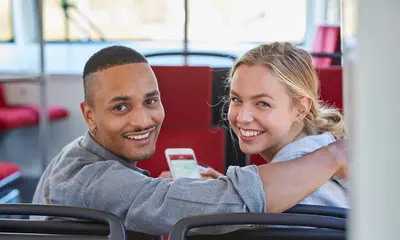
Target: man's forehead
column 131, row 69
column 124, row 80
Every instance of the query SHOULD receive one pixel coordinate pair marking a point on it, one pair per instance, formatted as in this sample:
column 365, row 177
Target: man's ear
column 303, row 108
column 88, row 114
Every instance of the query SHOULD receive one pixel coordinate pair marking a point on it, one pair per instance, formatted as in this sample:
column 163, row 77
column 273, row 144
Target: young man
column 124, row 114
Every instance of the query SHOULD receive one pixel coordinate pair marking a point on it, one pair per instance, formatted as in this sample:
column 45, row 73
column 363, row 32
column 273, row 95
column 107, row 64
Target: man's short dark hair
column 106, row 58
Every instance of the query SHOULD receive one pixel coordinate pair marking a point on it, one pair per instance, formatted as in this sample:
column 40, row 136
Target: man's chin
column 142, row 156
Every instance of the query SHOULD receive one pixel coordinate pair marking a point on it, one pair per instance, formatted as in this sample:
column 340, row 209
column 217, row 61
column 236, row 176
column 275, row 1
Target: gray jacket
column 84, row 174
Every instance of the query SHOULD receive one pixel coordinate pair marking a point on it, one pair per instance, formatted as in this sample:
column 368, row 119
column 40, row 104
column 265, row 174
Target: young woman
column 276, row 112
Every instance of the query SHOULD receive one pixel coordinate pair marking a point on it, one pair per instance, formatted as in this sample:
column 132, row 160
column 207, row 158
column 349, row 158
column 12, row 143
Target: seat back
column 12, row 229
column 280, row 226
column 2, row 96
column 327, row 40
column 331, row 85
column 186, row 96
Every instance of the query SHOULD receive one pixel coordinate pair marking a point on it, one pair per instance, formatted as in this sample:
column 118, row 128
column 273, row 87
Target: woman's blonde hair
column 294, row 67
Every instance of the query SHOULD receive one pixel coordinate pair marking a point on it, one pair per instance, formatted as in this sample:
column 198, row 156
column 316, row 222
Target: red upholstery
column 327, row 40
column 256, row 160
column 2, row 97
column 330, row 91
column 185, row 94
column 11, row 118
column 6, row 169
column 21, row 116
column 208, row 145
column 54, row 112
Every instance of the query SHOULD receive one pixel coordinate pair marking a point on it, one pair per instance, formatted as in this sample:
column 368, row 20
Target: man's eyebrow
column 152, row 94
column 120, row 99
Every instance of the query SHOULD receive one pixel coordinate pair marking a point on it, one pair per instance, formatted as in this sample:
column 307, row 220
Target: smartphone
column 182, row 162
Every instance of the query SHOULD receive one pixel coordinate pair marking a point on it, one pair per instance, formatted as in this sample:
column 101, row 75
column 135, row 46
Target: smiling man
column 124, row 114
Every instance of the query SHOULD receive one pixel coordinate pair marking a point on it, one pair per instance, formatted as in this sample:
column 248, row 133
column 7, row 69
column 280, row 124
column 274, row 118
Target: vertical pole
column 186, row 33
column 43, row 122
column 375, row 198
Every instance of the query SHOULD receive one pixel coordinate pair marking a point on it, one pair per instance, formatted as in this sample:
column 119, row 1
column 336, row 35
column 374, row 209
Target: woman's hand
column 210, row 173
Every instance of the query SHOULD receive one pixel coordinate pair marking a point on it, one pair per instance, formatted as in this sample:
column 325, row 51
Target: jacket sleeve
column 154, row 205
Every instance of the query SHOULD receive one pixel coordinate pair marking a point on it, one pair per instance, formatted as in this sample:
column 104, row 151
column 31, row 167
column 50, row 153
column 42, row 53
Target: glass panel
column 5, row 21
column 113, row 20
column 247, row 21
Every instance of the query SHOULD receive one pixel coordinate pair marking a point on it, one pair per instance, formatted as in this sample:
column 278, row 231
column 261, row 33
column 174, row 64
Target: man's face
column 126, row 110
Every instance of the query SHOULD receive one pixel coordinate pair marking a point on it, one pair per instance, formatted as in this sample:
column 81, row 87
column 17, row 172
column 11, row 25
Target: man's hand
column 339, row 151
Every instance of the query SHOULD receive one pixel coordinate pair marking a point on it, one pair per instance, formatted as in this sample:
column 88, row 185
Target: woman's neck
column 270, row 153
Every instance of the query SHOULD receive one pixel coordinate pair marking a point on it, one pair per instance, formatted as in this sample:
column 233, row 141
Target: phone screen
column 184, row 165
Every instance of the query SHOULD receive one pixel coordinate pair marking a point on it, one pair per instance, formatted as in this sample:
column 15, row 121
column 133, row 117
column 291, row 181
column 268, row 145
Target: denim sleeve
column 154, row 205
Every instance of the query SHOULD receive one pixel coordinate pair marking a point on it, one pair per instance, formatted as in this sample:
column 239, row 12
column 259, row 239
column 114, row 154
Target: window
column 113, row 20
column 209, row 20
column 6, row 34
column 247, row 20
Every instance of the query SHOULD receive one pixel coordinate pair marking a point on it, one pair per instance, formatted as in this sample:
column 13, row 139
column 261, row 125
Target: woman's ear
column 303, row 108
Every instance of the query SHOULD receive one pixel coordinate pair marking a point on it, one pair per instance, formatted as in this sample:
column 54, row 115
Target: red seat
column 186, row 96
column 331, row 86
column 8, row 173
column 12, row 117
column 327, row 40
column 54, row 112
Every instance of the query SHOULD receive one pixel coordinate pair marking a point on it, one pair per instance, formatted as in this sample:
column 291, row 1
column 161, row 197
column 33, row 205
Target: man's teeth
column 138, row 137
column 250, row 133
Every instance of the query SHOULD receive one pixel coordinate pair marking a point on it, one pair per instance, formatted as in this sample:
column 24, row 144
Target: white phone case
column 186, row 168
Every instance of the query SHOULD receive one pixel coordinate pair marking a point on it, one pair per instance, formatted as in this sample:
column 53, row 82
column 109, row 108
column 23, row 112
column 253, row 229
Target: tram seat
column 299, row 222
column 186, row 97
column 79, row 223
column 327, row 40
column 12, row 117
column 9, row 175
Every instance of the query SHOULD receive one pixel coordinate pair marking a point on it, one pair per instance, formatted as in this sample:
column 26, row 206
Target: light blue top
column 333, row 193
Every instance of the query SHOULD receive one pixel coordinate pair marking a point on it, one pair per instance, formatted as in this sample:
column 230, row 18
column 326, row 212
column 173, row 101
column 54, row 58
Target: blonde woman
column 275, row 111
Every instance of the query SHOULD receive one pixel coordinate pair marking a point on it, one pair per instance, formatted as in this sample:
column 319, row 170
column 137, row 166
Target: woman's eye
column 235, row 100
column 263, row 104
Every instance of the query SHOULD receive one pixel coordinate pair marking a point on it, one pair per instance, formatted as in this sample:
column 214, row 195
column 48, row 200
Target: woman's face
column 261, row 112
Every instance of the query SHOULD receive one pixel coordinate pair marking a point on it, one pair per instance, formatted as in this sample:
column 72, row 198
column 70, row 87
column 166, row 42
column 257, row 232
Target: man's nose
column 140, row 118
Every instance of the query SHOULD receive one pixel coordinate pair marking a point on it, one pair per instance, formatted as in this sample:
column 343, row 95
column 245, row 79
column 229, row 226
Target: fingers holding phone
column 210, row 173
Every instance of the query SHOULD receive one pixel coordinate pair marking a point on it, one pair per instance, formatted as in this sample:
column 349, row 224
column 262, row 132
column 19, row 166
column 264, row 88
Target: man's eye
column 151, row 101
column 120, row 108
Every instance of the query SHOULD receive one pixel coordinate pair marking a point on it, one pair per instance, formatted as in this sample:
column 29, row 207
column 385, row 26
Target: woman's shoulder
column 303, row 146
